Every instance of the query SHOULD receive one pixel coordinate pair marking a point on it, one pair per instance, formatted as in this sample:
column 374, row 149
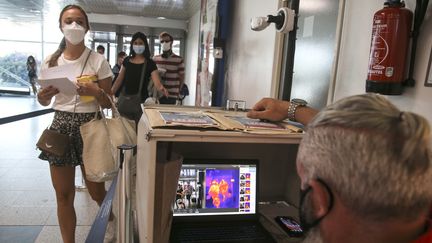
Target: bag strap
column 105, row 122
column 142, row 76
column 76, row 96
column 82, row 71
column 85, row 63
column 141, row 79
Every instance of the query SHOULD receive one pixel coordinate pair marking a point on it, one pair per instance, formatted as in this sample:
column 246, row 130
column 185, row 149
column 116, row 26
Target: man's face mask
column 166, row 46
column 74, row 33
column 307, row 221
column 138, row 49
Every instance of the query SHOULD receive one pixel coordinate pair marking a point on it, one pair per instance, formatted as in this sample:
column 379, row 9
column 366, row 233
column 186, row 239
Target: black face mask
column 306, row 220
column 166, row 54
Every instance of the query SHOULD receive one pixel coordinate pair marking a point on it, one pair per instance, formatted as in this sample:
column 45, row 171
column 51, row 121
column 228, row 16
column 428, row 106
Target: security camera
column 284, row 21
column 259, row 23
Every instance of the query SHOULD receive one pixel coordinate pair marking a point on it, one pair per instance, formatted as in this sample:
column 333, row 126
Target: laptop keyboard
column 230, row 233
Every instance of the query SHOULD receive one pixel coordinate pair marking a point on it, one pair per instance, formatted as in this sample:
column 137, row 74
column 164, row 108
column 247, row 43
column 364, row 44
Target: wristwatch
column 294, row 104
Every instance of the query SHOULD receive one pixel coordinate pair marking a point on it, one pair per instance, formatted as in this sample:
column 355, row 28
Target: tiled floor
column 26, row 193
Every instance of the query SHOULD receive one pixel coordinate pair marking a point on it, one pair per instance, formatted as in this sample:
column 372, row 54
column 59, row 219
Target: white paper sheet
column 64, row 85
column 60, row 77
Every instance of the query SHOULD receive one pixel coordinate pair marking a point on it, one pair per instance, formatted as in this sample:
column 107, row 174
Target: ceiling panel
column 31, row 10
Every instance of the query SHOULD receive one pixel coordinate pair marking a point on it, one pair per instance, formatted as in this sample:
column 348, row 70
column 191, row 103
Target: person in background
column 188, row 190
column 100, row 49
column 173, row 78
column 364, row 167
column 179, row 197
column 32, row 72
column 130, row 71
column 116, row 69
column 71, row 113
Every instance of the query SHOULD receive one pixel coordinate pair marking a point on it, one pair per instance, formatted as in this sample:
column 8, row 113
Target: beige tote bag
column 101, row 137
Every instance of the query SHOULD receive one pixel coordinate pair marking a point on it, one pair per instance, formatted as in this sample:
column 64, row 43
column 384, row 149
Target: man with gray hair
column 365, row 169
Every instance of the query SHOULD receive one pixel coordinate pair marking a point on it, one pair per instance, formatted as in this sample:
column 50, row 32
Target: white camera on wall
column 284, row 21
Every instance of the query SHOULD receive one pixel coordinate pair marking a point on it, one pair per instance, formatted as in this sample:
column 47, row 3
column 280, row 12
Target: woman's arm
column 118, row 82
column 157, row 82
column 104, row 92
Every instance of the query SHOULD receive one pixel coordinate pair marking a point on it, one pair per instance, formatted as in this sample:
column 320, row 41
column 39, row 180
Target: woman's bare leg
column 63, row 180
column 96, row 190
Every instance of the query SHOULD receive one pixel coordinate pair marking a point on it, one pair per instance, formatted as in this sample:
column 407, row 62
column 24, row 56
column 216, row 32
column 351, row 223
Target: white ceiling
column 31, row 10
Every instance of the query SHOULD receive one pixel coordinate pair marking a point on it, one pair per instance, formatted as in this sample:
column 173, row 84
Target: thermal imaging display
column 216, row 189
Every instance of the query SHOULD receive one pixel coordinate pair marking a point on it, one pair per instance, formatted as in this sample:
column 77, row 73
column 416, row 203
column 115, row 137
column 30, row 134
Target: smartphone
column 290, row 225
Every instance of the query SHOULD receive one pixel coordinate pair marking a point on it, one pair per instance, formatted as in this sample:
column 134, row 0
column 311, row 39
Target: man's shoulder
column 159, row 59
column 176, row 56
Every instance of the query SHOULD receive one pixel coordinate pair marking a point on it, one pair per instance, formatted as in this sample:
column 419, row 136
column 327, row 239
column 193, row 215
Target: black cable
column 419, row 14
column 24, row 116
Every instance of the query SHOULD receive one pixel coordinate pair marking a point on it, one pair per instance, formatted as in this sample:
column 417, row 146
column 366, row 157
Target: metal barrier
column 125, row 219
column 123, row 212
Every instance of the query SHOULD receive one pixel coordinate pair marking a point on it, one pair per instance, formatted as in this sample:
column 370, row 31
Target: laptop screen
column 216, row 188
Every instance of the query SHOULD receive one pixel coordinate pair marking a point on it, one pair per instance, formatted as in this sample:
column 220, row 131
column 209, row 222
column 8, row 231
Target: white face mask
column 138, row 49
column 166, row 46
column 74, row 33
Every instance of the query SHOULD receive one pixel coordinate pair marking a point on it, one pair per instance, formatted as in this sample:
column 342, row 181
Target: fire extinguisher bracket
column 391, row 88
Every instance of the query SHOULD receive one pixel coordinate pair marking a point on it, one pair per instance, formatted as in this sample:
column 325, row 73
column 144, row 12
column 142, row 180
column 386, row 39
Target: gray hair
column 375, row 157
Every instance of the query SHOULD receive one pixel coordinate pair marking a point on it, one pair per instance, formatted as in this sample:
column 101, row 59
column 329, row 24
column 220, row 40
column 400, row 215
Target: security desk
column 278, row 180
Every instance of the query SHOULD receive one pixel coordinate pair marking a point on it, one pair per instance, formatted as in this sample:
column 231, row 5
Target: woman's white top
column 96, row 65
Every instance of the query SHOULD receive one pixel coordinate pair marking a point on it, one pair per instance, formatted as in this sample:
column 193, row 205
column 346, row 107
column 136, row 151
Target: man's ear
column 320, row 198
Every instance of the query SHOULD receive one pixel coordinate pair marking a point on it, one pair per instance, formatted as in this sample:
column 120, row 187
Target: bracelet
column 293, row 106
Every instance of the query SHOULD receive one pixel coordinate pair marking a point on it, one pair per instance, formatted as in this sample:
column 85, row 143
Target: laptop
column 216, row 201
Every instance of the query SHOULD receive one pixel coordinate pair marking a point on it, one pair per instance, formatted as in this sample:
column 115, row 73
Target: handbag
column 129, row 106
column 54, row 143
column 101, row 137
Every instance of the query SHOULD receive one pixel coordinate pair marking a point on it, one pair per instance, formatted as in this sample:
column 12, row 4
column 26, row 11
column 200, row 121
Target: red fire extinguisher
column 391, row 31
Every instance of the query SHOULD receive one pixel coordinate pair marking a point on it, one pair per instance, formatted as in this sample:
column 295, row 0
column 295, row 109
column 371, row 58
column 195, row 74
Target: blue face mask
column 138, row 49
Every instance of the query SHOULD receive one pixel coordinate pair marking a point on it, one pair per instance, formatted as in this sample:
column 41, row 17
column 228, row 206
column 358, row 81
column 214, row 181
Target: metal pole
column 124, row 221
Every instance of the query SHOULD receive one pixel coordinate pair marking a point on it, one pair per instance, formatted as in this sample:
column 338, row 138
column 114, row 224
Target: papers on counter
column 161, row 117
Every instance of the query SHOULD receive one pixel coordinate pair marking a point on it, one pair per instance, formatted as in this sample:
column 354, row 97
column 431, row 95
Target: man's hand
column 269, row 109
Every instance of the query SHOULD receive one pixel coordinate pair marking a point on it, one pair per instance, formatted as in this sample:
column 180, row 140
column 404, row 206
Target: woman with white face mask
column 129, row 77
column 71, row 111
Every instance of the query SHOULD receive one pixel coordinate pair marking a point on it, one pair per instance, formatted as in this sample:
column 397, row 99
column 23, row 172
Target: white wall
column 191, row 58
column 354, row 55
column 250, row 54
